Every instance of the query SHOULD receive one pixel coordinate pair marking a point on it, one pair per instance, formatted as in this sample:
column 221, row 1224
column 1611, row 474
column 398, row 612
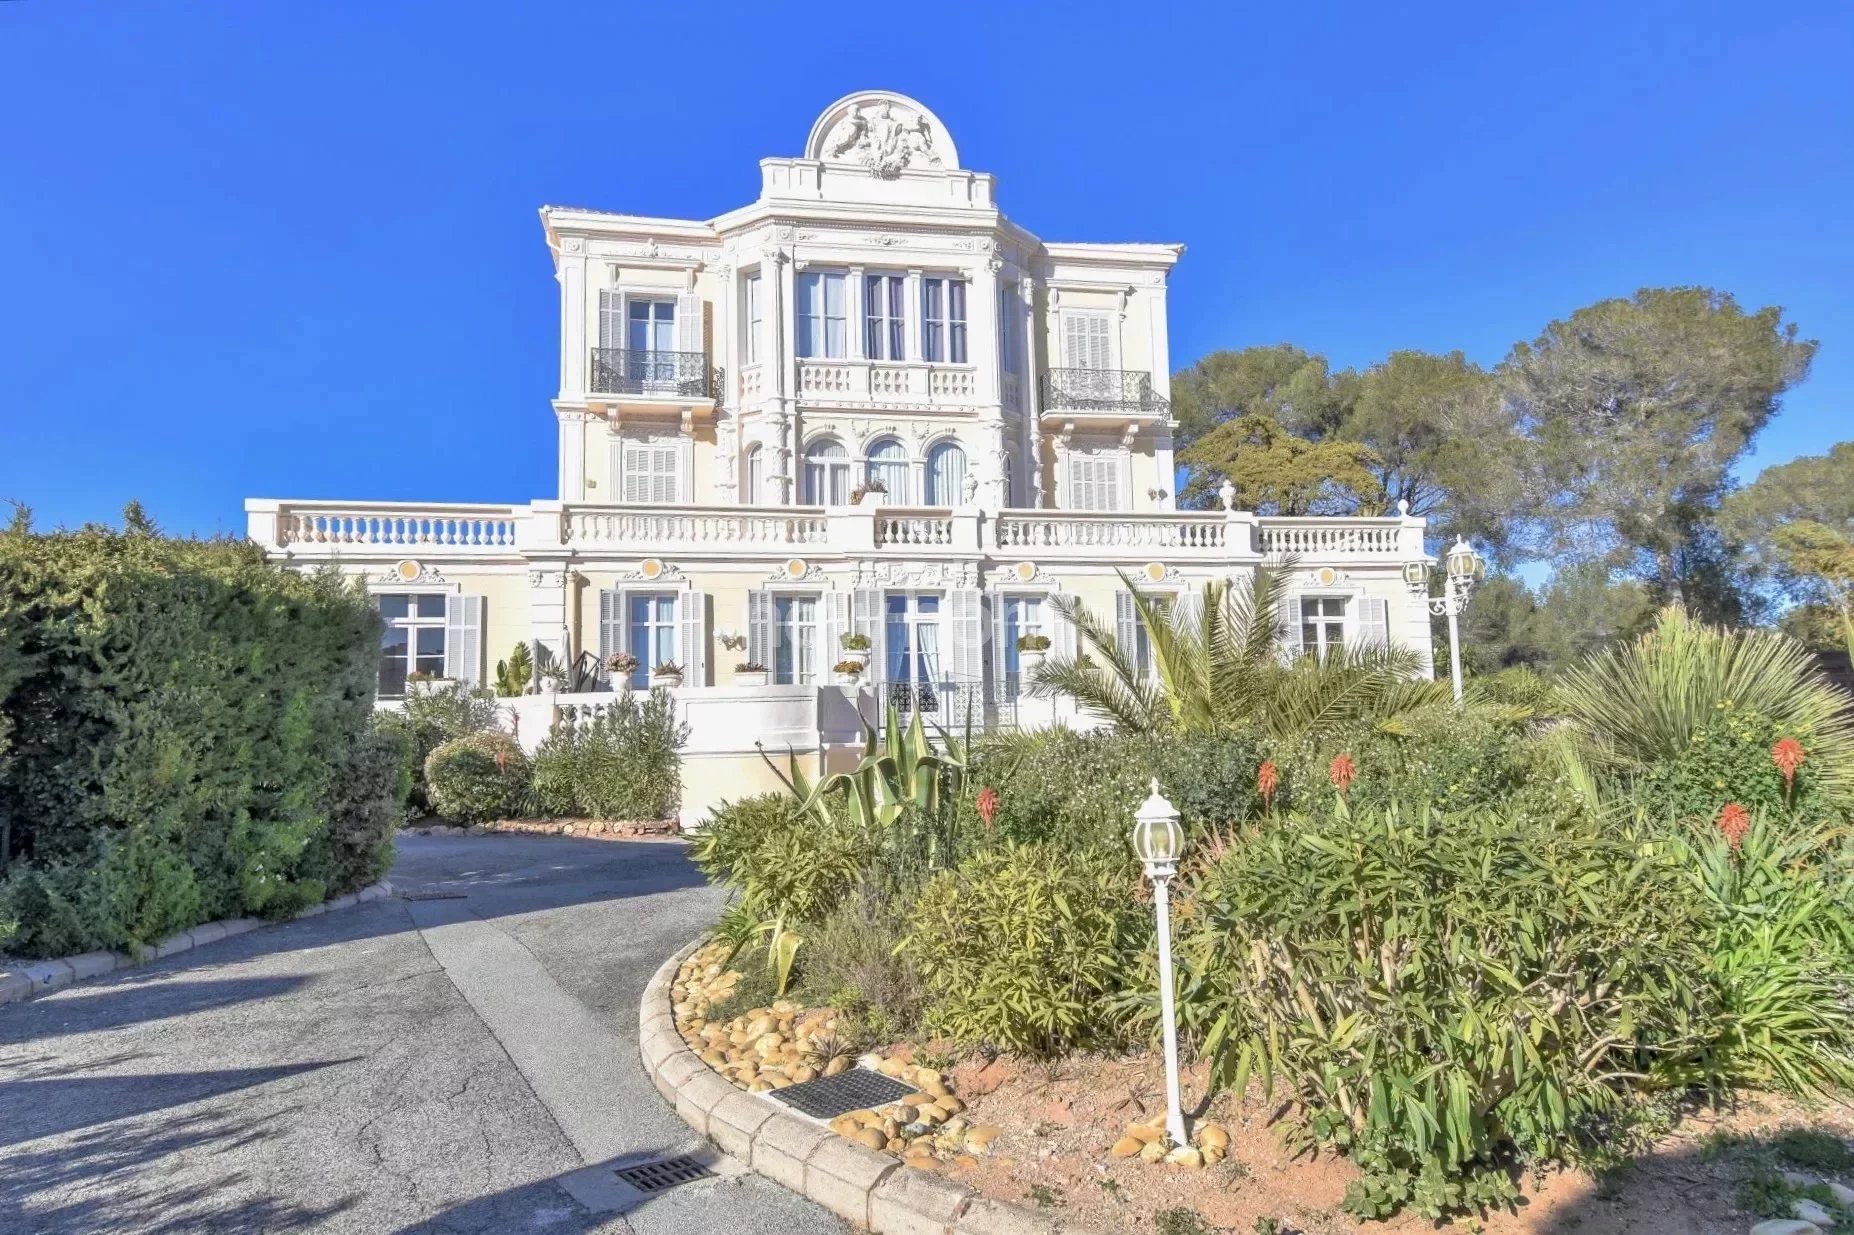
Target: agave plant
column 1641, row 704
column 1218, row 665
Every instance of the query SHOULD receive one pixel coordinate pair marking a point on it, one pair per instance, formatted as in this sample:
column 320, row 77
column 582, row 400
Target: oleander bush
column 179, row 716
column 478, row 777
column 1021, row 947
column 624, row 764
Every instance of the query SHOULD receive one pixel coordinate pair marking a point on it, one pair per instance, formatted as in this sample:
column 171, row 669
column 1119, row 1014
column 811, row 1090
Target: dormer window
column 943, row 319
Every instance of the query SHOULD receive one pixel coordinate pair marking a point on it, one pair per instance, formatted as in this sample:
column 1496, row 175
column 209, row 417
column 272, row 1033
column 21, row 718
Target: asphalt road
column 435, row 1065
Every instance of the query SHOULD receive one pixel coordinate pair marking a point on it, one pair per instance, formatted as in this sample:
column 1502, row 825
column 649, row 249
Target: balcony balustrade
column 1113, row 392
column 624, row 371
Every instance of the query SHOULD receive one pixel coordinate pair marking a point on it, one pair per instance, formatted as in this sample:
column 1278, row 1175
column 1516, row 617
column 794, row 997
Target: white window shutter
column 689, row 324
column 1074, row 350
column 1126, row 625
column 1290, row 638
column 759, row 628
column 1374, row 621
column 611, row 624
column 1062, row 635
column 463, row 638
column 999, row 637
column 968, row 659
column 611, row 318
column 1190, row 611
column 837, row 624
column 692, row 615
column 866, row 605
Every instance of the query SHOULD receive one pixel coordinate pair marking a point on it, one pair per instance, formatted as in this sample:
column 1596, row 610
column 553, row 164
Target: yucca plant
column 1644, row 705
column 1219, row 666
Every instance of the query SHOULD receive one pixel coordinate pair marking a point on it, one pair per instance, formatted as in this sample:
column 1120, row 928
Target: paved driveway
column 455, row 1065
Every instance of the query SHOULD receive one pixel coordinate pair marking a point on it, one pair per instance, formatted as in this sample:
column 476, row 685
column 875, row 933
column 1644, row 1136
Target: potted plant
column 553, row 680
column 619, row 666
column 666, row 673
column 869, row 494
column 747, row 673
column 848, row 671
column 425, row 682
column 1032, row 651
column 855, row 650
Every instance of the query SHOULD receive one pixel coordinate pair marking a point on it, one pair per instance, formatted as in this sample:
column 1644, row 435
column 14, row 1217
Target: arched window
column 888, row 464
column 946, row 475
column 827, row 473
column 756, row 475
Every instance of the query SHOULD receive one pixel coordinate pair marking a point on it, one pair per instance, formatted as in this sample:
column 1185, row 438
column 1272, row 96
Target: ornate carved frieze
column 884, row 136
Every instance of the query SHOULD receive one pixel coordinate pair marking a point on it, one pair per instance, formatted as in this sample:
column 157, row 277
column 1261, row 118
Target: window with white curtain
column 888, row 464
column 943, row 319
column 827, row 474
column 885, row 316
column 821, row 317
column 756, row 311
column 796, row 639
column 756, row 474
column 946, row 475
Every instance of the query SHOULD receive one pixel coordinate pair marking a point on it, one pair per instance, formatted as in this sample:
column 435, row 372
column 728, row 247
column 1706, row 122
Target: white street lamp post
column 1159, row 842
column 1462, row 568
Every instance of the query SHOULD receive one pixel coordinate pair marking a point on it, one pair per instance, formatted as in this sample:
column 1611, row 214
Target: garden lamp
column 1159, row 841
column 1461, row 569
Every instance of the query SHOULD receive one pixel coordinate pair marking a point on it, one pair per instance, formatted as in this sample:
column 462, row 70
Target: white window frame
column 885, row 333
column 754, row 467
column 928, row 496
column 1045, row 625
column 951, row 344
column 819, row 634
column 755, row 316
column 448, row 592
column 901, row 470
column 678, row 655
column 819, row 323
column 1348, row 620
column 811, row 490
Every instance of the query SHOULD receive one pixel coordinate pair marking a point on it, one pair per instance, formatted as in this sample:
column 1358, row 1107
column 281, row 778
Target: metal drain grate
column 664, row 1173
column 433, row 896
column 853, row 1089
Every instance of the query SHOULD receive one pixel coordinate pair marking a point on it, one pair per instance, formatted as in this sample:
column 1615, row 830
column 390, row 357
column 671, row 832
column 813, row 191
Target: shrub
column 365, row 805
column 177, row 713
column 849, row 962
column 784, row 864
column 428, row 719
column 1438, row 991
column 477, row 777
column 1020, row 947
column 625, row 764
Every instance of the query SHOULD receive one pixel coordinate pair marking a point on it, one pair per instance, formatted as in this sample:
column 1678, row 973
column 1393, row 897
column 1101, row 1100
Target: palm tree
column 1218, row 666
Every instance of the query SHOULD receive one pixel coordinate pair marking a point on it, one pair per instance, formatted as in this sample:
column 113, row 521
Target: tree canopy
column 1277, row 473
column 1796, row 522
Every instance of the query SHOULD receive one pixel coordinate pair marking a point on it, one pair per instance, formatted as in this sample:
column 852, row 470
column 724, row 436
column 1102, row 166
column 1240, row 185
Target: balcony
column 387, row 531
column 1115, row 393
column 669, row 375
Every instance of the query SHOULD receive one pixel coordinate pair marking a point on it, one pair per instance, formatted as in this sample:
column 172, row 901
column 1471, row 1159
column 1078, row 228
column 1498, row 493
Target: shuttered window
column 1094, row 482
column 650, row 469
column 1087, row 340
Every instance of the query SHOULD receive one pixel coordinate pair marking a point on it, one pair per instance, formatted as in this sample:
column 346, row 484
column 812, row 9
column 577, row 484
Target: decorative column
column 1033, row 394
column 777, row 365
column 982, row 350
column 572, row 457
column 727, row 412
column 574, row 356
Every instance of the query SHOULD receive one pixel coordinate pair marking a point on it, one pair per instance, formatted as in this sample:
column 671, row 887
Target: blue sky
column 290, row 249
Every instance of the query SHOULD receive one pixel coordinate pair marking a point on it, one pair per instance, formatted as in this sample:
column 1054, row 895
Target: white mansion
column 866, row 402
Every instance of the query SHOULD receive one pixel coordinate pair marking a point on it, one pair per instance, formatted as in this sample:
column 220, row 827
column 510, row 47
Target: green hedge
column 181, row 722
column 478, row 777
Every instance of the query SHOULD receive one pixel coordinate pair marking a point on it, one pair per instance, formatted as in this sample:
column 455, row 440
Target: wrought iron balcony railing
column 620, row 370
column 1101, row 390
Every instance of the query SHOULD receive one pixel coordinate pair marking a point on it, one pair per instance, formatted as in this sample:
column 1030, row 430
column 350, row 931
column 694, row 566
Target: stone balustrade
column 312, row 529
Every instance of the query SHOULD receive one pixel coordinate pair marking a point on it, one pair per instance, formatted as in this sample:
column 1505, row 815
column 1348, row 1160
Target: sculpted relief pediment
column 884, row 132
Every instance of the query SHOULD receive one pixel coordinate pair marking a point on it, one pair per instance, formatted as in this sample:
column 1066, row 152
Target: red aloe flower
column 1342, row 771
column 1266, row 779
column 1788, row 755
column 988, row 804
column 1734, row 821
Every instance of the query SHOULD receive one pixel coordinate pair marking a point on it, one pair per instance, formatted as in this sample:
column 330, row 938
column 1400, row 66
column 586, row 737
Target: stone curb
column 869, row 1190
column 42, row 977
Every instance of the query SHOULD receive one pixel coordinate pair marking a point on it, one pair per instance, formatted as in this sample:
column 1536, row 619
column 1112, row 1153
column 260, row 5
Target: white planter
column 671, row 680
column 848, row 679
column 859, row 655
column 429, row 686
column 749, row 678
column 1028, row 663
column 873, row 499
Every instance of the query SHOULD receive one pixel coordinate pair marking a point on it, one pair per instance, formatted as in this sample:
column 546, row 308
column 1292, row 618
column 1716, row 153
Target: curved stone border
column 42, row 977
column 872, row 1191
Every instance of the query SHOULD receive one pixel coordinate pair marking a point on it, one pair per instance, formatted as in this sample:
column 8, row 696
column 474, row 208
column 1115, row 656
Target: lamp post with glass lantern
column 1159, row 841
column 1461, row 567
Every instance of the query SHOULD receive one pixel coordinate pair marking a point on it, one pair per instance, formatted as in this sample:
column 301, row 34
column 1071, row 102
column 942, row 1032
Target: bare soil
column 1059, row 1120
